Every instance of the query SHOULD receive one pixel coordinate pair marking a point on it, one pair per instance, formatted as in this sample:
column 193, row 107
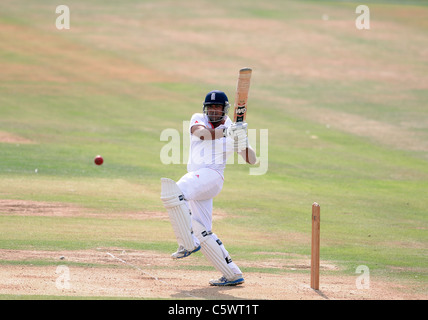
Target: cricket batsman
column 189, row 202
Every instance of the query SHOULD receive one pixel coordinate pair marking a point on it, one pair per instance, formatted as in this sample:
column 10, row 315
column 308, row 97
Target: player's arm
column 241, row 145
column 205, row 133
column 249, row 155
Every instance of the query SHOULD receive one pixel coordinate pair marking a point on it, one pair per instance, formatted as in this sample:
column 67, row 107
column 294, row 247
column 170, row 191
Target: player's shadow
column 210, row 293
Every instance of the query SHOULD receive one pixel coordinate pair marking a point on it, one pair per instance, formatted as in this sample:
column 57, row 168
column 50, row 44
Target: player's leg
column 211, row 246
column 200, row 184
column 237, row 278
column 206, row 184
column 180, row 217
column 199, row 188
column 214, row 250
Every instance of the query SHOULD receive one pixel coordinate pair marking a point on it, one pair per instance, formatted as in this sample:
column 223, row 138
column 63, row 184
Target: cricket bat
column 241, row 96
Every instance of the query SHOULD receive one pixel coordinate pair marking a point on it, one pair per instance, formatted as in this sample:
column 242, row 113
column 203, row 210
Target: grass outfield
column 346, row 111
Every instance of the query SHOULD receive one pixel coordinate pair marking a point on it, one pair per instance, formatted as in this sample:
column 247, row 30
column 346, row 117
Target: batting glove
column 234, row 129
column 240, row 140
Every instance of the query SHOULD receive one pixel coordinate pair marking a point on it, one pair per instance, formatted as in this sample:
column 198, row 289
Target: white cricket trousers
column 199, row 188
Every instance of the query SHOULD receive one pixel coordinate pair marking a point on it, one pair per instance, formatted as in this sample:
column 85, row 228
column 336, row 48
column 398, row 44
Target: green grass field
column 346, row 111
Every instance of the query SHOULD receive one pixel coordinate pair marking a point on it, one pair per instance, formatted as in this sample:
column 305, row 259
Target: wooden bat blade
column 241, row 96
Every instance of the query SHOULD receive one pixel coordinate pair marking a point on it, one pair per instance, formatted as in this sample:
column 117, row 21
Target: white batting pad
column 215, row 252
column 179, row 213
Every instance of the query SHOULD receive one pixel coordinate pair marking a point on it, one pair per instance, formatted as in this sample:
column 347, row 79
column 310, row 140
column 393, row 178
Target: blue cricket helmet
column 216, row 97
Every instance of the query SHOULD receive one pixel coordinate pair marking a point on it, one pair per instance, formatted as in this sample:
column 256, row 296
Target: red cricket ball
column 98, row 160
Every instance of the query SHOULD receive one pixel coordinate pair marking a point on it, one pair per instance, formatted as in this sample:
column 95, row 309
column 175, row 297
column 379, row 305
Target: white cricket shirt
column 210, row 154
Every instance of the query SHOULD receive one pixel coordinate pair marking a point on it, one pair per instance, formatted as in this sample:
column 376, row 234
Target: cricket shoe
column 183, row 253
column 238, row 279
